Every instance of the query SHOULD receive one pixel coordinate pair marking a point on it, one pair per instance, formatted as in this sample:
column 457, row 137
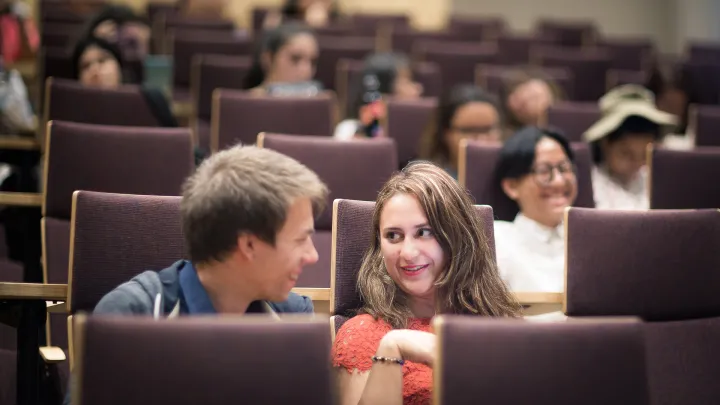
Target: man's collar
column 197, row 301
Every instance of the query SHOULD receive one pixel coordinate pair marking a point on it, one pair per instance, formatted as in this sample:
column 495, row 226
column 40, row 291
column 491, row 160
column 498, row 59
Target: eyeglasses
column 544, row 174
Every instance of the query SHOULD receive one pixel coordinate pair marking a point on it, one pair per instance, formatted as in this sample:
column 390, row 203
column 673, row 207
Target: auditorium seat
column 334, row 49
column 407, row 122
column 576, row 362
column 206, row 360
column 351, row 170
column 704, row 124
column 457, row 60
column 212, row 72
column 239, row 116
column 589, row 68
column 684, row 179
column 661, row 266
column 153, row 161
column 476, row 172
column 352, row 224
column 573, row 118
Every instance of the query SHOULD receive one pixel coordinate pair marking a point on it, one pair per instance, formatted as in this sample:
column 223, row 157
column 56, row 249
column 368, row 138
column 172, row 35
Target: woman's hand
column 411, row 345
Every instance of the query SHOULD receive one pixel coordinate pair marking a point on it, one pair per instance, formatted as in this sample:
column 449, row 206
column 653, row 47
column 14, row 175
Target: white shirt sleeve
column 346, row 130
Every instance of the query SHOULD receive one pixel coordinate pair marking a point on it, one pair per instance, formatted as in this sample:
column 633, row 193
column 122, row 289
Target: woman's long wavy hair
column 470, row 282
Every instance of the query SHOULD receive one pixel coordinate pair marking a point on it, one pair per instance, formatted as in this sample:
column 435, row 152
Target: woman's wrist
column 388, row 347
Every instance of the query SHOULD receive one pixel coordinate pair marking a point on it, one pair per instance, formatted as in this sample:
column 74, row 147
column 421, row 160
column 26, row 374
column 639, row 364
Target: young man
column 247, row 217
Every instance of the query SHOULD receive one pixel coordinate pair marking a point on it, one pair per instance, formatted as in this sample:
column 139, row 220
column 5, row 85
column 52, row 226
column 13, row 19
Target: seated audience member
column 286, row 56
column 247, row 218
column 429, row 256
column 384, row 74
column 20, row 37
column 526, row 97
column 468, row 112
column 619, row 141
column 315, row 13
column 118, row 24
column 98, row 63
column 536, row 171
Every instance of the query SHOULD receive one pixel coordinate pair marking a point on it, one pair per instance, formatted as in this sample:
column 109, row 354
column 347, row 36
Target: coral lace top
column 358, row 340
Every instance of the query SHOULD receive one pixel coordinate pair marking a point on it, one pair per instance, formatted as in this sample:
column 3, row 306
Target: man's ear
column 510, row 187
column 246, row 246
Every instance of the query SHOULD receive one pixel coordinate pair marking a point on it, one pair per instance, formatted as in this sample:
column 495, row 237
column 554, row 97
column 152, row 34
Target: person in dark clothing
column 247, row 216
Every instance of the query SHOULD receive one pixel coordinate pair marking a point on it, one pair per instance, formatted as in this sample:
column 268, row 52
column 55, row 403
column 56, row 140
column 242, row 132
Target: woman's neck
column 423, row 307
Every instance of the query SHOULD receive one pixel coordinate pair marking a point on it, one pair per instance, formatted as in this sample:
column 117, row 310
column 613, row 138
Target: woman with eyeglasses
column 536, row 170
column 468, row 112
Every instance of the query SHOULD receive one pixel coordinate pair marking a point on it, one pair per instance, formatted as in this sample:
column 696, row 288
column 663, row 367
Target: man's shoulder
column 137, row 296
column 294, row 304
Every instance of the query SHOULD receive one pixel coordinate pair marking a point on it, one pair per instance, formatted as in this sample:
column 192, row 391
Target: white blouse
column 530, row 256
column 611, row 195
column 346, row 129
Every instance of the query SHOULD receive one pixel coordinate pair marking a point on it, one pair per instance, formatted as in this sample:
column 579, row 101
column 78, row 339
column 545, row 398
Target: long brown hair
column 470, row 283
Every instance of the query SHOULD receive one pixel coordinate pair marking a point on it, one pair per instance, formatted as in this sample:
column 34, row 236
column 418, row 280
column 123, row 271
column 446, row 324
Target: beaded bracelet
column 380, row 359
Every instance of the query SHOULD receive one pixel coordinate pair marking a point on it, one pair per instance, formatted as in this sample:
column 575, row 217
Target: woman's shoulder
column 357, row 341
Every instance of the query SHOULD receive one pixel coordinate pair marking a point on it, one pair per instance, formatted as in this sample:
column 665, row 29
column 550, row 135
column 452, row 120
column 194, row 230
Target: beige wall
column 670, row 22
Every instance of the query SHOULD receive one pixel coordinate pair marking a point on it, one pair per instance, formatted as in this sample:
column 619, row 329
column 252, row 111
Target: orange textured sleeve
column 357, row 341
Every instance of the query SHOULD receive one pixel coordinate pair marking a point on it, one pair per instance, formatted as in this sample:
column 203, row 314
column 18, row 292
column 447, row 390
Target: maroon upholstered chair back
column 405, row 39
column 457, row 60
column 407, row 121
column 334, row 49
column 188, row 44
column 589, row 67
column 367, row 24
column 68, row 100
column 573, row 118
column 629, row 53
column 352, row 223
column 705, row 122
column 576, row 362
column 349, row 77
column 244, row 357
column 658, row 265
column 351, row 170
column 568, row 33
column 515, row 49
column 212, row 72
column 679, row 179
column 146, row 235
column 477, row 29
column 477, row 174
column 240, row 116
column 700, row 51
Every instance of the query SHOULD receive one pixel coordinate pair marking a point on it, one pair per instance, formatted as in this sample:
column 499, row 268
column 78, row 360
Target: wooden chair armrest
column 52, row 354
column 315, row 294
column 21, row 199
column 16, row 142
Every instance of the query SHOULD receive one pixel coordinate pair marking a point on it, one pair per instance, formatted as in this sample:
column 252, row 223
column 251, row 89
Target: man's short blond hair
column 243, row 189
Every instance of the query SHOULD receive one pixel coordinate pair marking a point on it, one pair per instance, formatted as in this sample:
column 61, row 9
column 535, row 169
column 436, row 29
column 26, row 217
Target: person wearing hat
column 630, row 122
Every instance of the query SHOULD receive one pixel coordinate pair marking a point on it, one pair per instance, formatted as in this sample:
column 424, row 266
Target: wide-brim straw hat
column 623, row 102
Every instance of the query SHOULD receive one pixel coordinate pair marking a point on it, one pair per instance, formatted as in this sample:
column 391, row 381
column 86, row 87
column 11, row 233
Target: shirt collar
column 537, row 230
column 197, row 301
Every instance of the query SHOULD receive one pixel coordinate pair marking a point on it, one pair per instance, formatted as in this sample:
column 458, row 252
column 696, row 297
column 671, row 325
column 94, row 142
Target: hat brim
column 609, row 123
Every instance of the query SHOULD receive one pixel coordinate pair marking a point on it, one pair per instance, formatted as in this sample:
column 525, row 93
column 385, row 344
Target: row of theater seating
column 660, row 266
column 154, row 161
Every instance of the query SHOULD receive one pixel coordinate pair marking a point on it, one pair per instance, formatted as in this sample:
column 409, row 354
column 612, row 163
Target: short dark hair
column 271, row 41
column 434, row 146
column 243, row 189
column 85, row 43
column 377, row 78
column 518, row 152
column 633, row 125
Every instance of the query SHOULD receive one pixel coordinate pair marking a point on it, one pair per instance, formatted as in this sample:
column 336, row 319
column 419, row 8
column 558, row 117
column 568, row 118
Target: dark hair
column 272, row 41
column 434, row 146
column 633, row 125
column 86, row 43
column 518, row 152
column 377, row 78
column 291, row 11
column 118, row 14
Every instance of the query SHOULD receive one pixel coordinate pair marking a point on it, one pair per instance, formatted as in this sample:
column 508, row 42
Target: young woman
column 285, row 55
column 619, row 143
column 120, row 25
column 536, row 171
column 526, row 97
column 468, row 112
column 429, row 256
column 98, row 63
column 384, row 74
